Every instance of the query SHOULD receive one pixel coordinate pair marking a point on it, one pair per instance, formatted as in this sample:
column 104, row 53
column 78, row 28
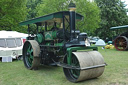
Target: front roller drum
column 31, row 51
column 83, row 60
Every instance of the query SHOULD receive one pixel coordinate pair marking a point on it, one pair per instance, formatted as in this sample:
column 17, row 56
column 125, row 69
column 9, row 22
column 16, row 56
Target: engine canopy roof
column 51, row 18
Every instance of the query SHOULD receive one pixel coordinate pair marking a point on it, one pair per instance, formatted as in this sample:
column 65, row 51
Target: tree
column 88, row 9
column 11, row 13
column 51, row 6
column 31, row 6
column 91, row 13
column 113, row 13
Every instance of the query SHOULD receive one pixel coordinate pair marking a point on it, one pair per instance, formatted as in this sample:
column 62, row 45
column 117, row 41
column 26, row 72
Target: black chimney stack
column 72, row 18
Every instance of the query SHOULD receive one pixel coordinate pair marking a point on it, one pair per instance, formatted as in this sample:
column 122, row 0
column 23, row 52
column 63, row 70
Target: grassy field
column 116, row 73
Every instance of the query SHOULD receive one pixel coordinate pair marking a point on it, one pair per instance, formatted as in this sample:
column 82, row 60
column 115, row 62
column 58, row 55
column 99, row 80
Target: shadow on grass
column 49, row 68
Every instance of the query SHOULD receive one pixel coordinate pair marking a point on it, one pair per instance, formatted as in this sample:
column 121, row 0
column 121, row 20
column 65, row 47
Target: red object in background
column 24, row 40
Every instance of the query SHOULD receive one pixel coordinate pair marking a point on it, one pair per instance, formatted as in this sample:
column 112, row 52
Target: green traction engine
column 58, row 43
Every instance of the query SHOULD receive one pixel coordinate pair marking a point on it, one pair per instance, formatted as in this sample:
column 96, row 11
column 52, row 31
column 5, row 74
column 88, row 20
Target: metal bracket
column 64, row 65
column 71, row 49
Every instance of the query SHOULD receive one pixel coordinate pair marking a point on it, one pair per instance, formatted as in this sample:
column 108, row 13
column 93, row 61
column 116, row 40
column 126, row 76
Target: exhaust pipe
column 72, row 18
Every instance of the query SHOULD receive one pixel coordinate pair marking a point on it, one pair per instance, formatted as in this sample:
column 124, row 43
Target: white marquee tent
column 9, row 34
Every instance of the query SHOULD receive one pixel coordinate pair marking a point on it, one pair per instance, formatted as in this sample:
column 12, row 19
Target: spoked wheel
column 83, row 60
column 31, row 51
column 72, row 74
column 121, row 43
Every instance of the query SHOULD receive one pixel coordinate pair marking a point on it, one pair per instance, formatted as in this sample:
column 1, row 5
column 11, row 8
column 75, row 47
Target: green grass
column 116, row 73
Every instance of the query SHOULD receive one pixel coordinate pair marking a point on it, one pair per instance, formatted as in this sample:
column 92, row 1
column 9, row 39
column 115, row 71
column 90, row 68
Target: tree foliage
column 91, row 14
column 31, row 6
column 88, row 9
column 113, row 13
column 11, row 13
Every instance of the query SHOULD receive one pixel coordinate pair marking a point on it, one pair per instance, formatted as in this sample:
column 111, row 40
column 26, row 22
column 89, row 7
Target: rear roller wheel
column 82, row 60
column 31, row 51
column 72, row 74
column 121, row 43
column 74, row 62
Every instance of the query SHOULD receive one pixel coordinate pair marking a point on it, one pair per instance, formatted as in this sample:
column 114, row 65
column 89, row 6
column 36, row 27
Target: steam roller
column 56, row 42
